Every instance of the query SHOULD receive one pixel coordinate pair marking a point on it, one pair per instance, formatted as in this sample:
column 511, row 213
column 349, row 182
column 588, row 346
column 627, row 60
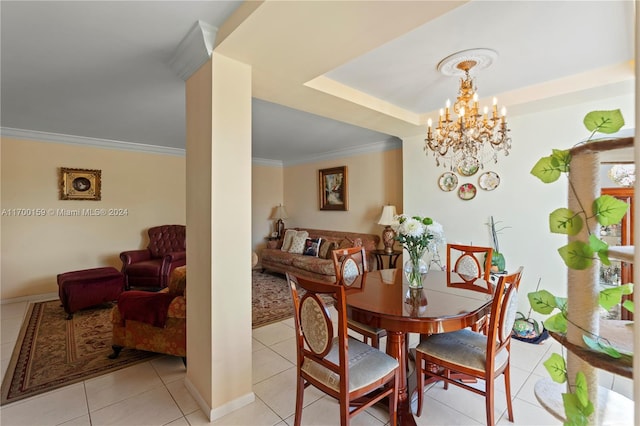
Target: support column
column 218, row 103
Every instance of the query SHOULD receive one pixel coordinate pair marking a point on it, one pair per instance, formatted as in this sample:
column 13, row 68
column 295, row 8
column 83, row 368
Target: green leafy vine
column 579, row 255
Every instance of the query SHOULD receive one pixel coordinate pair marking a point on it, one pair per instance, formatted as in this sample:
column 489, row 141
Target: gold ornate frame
column 332, row 189
column 80, row 184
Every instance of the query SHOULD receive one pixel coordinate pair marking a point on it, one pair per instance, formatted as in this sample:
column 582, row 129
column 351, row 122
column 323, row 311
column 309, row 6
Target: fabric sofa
column 315, row 261
column 155, row 322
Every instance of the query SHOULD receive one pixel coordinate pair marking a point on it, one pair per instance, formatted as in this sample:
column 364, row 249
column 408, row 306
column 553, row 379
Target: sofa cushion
column 311, row 246
column 315, row 265
column 289, row 234
column 326, row 247
column 278, row 256
column 297, row 245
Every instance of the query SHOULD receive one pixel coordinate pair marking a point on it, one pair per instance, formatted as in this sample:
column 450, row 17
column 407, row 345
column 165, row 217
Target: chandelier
column 472, row 137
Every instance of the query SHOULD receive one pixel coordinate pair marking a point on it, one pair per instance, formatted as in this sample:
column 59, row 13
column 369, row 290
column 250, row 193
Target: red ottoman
column 89, row 287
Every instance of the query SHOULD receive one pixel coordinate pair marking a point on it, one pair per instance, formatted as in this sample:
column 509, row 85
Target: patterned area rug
column 271, row 299
column 52, row 352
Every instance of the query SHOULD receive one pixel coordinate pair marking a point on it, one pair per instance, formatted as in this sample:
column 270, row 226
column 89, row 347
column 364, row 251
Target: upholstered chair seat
column 366, row 365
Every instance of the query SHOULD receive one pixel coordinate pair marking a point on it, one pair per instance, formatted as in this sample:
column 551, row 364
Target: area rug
column 270, row 299
column 52, row 352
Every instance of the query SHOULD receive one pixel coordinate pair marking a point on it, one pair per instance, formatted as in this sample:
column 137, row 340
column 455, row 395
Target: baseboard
column 221, row 411
column 32, row 298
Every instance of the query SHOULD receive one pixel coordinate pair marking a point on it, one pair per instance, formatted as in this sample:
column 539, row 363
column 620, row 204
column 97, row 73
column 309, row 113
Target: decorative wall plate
column 489, row 181
column 448, row 181
column 468, row 167
column 467, row 191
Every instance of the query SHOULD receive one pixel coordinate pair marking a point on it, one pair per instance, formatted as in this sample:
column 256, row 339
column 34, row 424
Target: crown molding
column 35, row 135
column 387, row 145
column 194, row 49
column 85, row 141
column 267, row 163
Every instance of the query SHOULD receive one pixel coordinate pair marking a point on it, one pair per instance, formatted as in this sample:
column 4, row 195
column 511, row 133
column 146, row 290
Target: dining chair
column 474, row 354
column 356, row 374
column 467, row 269
column 349, row 263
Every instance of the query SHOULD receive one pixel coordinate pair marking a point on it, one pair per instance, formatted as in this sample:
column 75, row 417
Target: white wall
column 521, row 202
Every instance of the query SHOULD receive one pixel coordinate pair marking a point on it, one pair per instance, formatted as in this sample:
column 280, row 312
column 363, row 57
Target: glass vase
column 415, row 269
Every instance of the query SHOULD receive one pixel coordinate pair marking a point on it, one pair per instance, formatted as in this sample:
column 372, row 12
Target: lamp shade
column 280, row 213
column 388, row 216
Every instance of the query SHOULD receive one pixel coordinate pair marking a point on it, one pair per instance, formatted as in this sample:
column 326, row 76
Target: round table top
column 383, row 299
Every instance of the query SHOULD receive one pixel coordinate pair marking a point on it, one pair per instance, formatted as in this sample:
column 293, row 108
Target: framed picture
column 80, row 184
column 333, row 188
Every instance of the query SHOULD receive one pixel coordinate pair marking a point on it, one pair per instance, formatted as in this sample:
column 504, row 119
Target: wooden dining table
column 383, row 299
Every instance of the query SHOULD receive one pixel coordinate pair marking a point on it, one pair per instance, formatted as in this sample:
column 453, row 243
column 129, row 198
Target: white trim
column 35, row 135
column 194, row 49
column 267, row 163
column 213, row 414
column 85, row 141
column 387, row 145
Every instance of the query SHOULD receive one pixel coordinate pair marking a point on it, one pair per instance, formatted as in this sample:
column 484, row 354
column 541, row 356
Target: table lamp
column 387, row 219
column 279, row 214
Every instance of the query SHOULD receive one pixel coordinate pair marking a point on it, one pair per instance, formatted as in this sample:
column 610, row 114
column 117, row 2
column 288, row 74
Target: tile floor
column 153, row 393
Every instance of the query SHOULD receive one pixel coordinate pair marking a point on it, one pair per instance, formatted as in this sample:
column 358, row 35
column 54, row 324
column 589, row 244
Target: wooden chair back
column 466, row 268
column 349, row 263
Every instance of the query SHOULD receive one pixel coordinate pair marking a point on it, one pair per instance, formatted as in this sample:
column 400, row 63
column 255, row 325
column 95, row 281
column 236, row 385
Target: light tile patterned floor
column 153, row 393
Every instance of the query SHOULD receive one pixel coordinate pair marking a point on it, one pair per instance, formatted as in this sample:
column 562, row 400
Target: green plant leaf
column 576, row 413
column 604, row 257
column 561, row 303
column 556, row 367
column 609, row 210
column 601, row 248
column 604, row 121
column 601, row 346
column 610, row 297
column 542, row 301
column 628, row 305
column 556, row 323
column 577, row 255
column 627, row 288
column 581, row 390
column 545, row 170
column 564, row 221
column 560, row 159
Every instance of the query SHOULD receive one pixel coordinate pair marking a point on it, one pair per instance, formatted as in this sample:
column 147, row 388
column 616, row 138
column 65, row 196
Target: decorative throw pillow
column 311, row 246
column 288, row 239
column 346, row 243
column 297, row 245
column 326, row 247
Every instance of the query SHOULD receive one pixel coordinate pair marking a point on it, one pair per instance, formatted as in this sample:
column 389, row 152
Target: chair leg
column 344, row 410
column 299, row 397
column 420, row 383
column 507, row 388
column 393, row 402
column 489, row 397
column 116, row 351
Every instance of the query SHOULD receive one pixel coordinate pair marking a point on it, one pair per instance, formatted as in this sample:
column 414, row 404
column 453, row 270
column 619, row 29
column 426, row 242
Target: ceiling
column 327, row 76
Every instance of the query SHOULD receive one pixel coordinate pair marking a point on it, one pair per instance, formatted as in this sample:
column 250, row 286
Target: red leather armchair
column 150, row 268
